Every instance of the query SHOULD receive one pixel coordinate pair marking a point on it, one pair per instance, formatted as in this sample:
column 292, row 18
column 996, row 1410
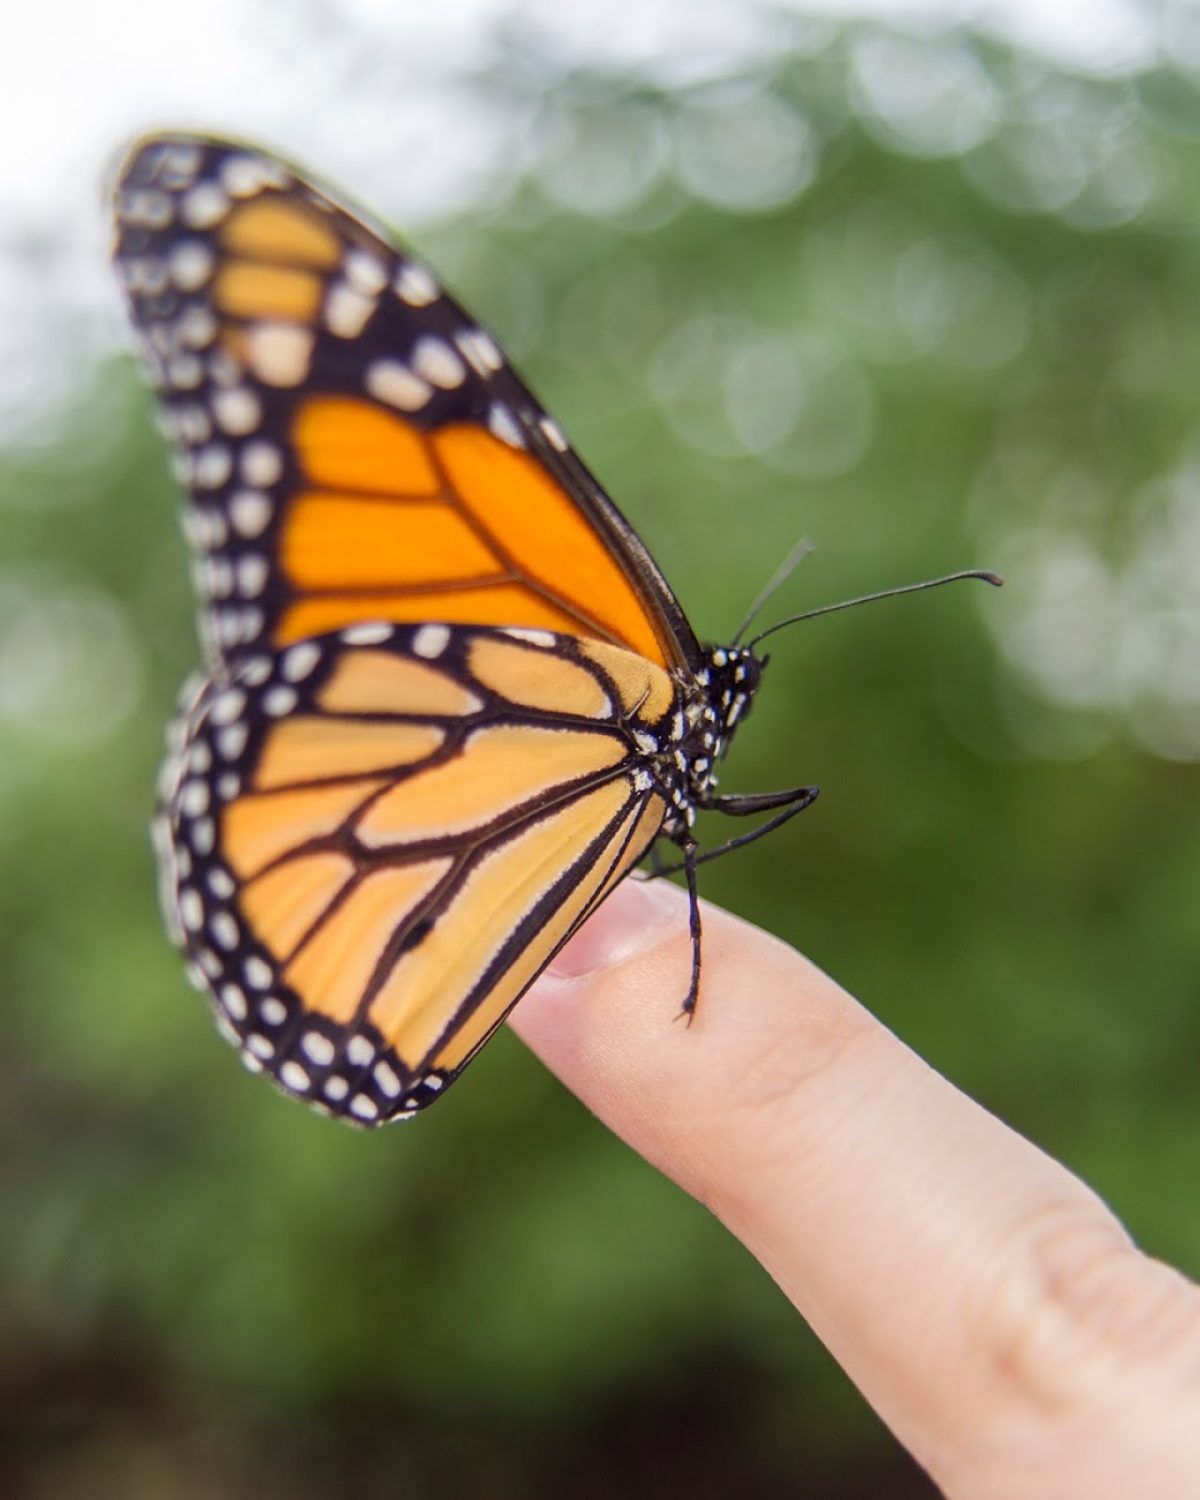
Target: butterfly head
column 733, row 675
column 719, row 699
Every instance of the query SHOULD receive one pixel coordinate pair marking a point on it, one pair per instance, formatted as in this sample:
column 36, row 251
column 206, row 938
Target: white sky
column 365, row 91
column 77, row 78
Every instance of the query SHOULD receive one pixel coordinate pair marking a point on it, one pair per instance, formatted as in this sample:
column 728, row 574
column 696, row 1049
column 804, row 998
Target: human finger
column 985, row 1301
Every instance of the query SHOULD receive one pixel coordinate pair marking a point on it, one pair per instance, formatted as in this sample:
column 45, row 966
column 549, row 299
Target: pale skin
column 985, row 1301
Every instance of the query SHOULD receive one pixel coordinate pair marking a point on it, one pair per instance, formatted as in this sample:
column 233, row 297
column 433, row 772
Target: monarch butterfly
column 450, row 699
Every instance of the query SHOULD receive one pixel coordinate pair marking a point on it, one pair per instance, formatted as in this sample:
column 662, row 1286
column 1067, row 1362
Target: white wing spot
column 204, row 205
column 224, row 929
column 191, row 910
column 480, row 351
column 336, row 1087
column 147, row 275
column 228, row 706
column 250, row 622
column 257, row 972
column 530, row 636
column 251, row 574
column 244, row 176
column 293, row 1076
column 279, row 353
column 434, row 359
column 233, row 998
column 505, row 426
column 212, row 466
column 274, row 1012
column 387, row 1079
column 145, row 207
column 262, row 463
column 184, row 372
column 318, row 1047
column 238, row 410
column 554, row 434
column 259, row 1045
column 300, row 661
column 416, row 286
column 255, row 671
column 359, row 1051
column 196, row 327
column 181, row 162
column 217, row 577
column 279, row 700
column 224, row 371
column 347, row 311
column 221, row 884
column 191, row 264
column 367, row 635
column 250, row 512
column 388, row 380
column 193, row 798
column 194, row 426
column 232, row 741
column 366, row 273
column 364, row 1107
column 430, row 641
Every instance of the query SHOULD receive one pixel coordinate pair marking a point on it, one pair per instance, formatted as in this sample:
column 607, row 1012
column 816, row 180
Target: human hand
column 984, row 1300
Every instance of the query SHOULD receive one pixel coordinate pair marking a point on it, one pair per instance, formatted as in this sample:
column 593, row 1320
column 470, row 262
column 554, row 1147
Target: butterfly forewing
column 374, row 840
column 355, row 447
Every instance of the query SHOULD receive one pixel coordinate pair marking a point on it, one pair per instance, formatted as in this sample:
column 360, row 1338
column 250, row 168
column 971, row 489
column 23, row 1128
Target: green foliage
column 918, row 368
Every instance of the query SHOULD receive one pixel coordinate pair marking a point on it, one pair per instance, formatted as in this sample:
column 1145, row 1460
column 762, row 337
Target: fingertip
column 637, row 917
column 590, row 1000
column 607, row 1015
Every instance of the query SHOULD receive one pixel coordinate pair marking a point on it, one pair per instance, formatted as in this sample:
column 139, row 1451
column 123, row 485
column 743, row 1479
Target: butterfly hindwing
column 375, row 839
column 355, row 447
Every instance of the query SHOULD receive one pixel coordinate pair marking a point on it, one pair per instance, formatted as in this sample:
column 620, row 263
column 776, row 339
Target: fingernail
column 636, row 917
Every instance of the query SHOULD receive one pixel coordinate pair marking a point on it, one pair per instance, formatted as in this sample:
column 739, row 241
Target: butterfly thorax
column 715, row 700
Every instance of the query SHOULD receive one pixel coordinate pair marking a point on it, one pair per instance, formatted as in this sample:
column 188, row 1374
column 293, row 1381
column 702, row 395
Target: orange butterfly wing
column 374, row 840
column 355, row 446
column 382, row 814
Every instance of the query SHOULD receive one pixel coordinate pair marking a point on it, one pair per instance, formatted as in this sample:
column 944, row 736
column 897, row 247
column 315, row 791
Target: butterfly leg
column 743, row 804
column 790, row 803
column 693, row 993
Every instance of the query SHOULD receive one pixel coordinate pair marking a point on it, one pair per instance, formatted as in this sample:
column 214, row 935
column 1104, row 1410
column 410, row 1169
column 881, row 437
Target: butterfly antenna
column 773, row 584
column 908, row 588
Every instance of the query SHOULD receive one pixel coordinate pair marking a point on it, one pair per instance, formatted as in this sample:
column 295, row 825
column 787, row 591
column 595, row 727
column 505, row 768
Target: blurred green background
column 923, row 295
